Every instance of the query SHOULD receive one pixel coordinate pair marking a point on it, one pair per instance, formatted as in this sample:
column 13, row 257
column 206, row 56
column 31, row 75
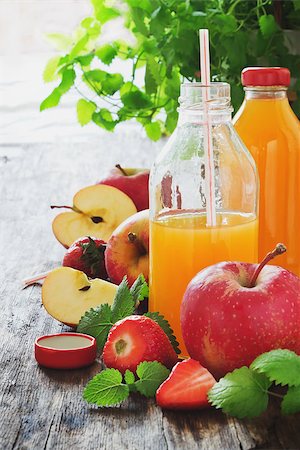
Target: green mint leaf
column 50, row 71
column 104, row 13
column 241, row 393
column 164, row 324
column 291, row 401
column 79, row 47
column 52, row 100
column 139, row 290
column 280, row 366
column 153, row 130
column 85, row 111
column 151, row 375
column 97, row 322
column 104, row 119
column 67, row 81
column 112, row 83
column 268, row 25
column 123, row 304
column 135, row 99
column 106, row 389
column 143, row 4
column 107, row 53
column 85, row 60
column 129, row 377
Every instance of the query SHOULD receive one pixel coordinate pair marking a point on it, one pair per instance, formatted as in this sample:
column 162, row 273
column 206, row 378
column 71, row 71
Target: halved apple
column 68, row 293
column 97, row 211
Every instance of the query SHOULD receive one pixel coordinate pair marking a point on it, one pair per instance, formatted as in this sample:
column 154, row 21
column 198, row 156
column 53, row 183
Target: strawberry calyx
column 93, row 256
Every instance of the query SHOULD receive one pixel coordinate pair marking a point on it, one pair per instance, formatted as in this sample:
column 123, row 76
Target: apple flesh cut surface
column 226, row 324
column 127, row 251
column 133, row 182
column 68, row 293
column 97, row 210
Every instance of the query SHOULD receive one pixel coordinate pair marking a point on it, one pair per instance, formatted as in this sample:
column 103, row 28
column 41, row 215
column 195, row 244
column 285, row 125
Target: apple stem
column 118, row 166
column 132, row 237
column 278, row 250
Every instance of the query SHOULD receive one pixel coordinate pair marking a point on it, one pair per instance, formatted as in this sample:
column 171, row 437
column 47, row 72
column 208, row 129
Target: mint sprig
column 280, row 366
column 164, row 324
column 241, row 393
column 245, row 391
column 139, row 290
column 106, row 389
column 291, row 401
column 98, row 321
column 124, row 303
column 110, row 388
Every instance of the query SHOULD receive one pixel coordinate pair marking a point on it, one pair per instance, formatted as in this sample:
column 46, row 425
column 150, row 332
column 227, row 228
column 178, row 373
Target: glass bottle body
column 271, row 132
column 181, row 242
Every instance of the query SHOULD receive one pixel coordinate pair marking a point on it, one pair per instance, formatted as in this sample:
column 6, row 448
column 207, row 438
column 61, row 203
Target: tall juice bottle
column 271, row 132
column 181, row 241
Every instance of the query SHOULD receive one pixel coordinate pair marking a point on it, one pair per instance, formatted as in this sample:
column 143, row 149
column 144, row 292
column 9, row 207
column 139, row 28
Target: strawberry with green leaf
column 87, row 254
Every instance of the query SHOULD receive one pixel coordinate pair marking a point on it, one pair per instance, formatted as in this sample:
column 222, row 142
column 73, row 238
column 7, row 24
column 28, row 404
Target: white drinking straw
column 208, row 145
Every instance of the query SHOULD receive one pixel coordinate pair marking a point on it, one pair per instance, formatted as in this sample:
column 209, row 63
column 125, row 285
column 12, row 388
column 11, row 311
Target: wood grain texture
column 43, row 409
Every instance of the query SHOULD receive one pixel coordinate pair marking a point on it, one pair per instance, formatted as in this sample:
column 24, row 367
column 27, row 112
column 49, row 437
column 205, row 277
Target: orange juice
column 271, row 132
column 181, row 245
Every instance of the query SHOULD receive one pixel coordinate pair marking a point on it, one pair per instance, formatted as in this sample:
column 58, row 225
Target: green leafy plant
column 110, row 388
column 242, row 33
column 245, row 392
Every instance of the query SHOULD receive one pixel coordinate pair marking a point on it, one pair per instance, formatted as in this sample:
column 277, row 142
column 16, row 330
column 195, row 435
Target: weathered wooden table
column 43, row 409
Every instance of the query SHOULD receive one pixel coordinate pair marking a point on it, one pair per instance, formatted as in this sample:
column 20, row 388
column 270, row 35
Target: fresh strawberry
column 87, row 254
column 136, row 339
column 186, row 387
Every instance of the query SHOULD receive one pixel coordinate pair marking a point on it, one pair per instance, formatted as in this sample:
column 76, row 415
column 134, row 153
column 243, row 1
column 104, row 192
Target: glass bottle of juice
column 181, row 240
column 271, row 132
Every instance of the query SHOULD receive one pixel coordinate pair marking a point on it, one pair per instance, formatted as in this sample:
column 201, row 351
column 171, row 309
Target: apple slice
column 97, row 210
column 68, row 293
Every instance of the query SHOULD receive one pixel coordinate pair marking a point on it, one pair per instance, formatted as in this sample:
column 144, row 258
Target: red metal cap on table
column 266, row 76
column 65, row 350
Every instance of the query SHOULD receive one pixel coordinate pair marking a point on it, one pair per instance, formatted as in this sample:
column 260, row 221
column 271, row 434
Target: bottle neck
column 187, row 116
column 265, row 92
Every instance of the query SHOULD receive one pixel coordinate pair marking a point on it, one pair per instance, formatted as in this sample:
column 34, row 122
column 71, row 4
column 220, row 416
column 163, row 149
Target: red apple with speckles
column 232, row 312
column 133, row 182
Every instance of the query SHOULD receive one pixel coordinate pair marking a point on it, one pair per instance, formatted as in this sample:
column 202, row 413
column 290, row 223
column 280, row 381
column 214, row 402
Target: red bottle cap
column 65, row 350
column 266, row 76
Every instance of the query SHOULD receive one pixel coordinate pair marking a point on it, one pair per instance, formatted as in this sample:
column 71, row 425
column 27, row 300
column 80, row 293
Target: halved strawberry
column 186, row 387
column 136, row 339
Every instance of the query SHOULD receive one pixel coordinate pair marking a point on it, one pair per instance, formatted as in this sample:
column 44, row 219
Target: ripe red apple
column 127, row 251
column 232, row 312
column 133, row 182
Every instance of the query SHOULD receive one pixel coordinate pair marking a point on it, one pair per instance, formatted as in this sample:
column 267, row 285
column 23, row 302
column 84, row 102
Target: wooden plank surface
column 43, row 409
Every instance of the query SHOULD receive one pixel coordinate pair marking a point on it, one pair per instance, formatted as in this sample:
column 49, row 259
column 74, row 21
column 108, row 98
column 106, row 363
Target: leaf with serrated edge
column 291, row 401
column 151, row 376
column 165, row 326
column 139, row 290
column 97, row 322
column 123, row 305
column 280, row 366
column 129, row 377
column 241, row 393
column 106, row 389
